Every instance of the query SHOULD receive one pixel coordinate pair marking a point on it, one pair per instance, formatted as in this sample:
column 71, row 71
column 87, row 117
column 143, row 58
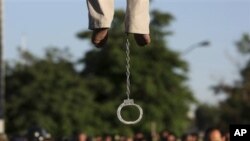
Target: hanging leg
column 101, row 13
column 100, row 17
column 137, row 16
column 137, row 20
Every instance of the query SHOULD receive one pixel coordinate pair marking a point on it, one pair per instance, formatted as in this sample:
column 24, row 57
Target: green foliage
column 50, row 92
column 243, row 44
column 234, row 108
column 238, row 102
column 207, row 116
column 47, row 92
column 155, row 84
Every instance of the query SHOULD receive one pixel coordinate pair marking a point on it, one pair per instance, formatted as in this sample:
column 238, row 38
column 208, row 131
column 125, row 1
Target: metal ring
column 129, row 102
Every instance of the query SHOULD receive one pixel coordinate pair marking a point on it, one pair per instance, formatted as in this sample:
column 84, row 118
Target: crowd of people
column 211, row 134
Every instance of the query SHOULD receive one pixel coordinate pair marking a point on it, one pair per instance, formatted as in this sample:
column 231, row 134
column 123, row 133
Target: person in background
column 82, row 137
column 171, row 137
column 195, row 136
column 226, row 136
column 108, row 138
column 213, row 134
column 139, row 136
column 164, row 135
column 187, row 137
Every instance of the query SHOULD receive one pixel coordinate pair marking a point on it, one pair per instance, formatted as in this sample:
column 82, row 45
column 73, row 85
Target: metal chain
column 128, row 67
column 128, row 102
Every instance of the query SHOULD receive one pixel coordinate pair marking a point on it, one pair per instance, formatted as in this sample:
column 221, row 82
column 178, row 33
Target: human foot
column 142, row 39
column 100, row 37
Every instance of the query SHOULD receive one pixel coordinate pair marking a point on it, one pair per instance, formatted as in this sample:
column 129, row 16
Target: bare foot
column 142, row 39
column 100, row 37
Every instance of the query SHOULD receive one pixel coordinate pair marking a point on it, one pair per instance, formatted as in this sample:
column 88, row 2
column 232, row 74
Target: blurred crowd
column 211, row 134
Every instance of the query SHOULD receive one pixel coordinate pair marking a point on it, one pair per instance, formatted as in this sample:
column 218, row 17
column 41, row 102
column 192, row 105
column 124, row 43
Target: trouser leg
column 137, row 16
column 101, row 13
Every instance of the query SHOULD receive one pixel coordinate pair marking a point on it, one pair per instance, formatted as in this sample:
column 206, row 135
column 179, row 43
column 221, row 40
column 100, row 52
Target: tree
column 46, row 92
column 207, row 116
column 51, row 93
column 234, row 108
column 156, row 85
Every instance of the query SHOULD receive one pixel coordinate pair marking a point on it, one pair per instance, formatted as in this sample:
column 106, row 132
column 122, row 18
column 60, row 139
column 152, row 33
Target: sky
column 38, row 24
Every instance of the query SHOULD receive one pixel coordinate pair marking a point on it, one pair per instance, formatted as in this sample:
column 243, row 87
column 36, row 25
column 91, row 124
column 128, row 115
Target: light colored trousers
column 137, row 18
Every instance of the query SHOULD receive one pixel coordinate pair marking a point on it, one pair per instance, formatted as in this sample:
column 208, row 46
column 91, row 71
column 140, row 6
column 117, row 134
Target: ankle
column 142, row 39
column 100, row 36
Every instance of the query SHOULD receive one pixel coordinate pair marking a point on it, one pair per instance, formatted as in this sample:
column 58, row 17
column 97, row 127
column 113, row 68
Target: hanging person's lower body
column 136, row 21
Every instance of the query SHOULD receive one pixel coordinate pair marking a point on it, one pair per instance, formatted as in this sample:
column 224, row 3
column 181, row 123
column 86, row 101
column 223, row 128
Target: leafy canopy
column 51, row 93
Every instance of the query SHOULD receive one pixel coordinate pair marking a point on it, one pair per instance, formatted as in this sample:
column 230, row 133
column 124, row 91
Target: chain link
column 128, row 101
column 128, row 67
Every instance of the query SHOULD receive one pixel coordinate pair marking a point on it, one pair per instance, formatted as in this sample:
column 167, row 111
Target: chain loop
column 128, row 68
column 128, row 102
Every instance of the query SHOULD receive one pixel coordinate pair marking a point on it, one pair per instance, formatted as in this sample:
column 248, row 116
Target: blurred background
column 194, row 76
